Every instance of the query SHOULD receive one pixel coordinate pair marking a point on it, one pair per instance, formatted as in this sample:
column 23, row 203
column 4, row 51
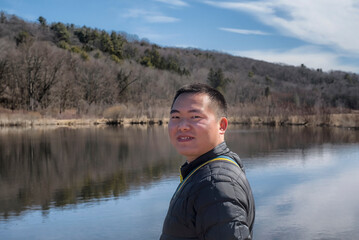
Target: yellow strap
column 181, row 177
column 220, row 158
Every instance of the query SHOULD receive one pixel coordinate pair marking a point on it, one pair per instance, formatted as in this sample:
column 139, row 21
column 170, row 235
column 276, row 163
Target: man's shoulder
column 236, row 158
column 221, row 168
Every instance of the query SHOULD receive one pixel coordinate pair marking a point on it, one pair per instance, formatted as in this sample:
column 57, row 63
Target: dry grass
column 113, row 112
column 344, row 120
column 17, row 118
column 131, row 114
column 347, row 120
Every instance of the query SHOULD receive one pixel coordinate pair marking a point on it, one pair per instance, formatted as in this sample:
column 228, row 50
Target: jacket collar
column 220, row 149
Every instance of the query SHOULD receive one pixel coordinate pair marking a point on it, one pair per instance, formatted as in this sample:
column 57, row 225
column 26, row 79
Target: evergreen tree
column 106, row 44
column 2, row 17
column 42, row 21
column 117, row 42
column 23, row 37
column 217, row 80
column 61, row 32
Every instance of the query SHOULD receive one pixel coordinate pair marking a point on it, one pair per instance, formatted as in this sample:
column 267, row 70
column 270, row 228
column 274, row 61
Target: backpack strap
column 218, row 158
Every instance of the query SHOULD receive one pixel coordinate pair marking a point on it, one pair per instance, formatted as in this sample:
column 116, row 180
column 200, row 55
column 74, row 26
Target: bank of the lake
column 345, row 120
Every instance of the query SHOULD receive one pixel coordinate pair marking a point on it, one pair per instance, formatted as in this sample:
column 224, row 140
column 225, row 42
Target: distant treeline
column 57, row 67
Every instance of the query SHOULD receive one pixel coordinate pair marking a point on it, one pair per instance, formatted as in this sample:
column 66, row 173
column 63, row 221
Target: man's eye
column 196, row 116
column 174, row 117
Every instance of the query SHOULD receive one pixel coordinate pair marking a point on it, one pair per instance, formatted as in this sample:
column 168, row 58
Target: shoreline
column 344, row 120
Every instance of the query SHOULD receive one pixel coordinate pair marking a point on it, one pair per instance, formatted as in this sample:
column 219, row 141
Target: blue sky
column 319, row 34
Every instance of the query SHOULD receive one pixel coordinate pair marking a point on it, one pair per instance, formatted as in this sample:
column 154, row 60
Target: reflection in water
column 310, row 201
column 303, row 180
column 65, row 166
column 254, row 142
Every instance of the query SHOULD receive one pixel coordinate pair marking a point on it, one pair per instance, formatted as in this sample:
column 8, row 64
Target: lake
column 116, row 182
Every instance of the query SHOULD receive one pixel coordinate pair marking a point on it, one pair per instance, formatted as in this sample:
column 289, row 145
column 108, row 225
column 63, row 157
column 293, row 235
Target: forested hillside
column 54, row 68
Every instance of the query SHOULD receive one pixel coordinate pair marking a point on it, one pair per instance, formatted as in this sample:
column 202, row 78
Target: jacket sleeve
column 221, row 210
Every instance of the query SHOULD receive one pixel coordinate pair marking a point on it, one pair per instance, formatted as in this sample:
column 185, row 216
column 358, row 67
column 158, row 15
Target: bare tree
column 41, row 70
column 3, row 72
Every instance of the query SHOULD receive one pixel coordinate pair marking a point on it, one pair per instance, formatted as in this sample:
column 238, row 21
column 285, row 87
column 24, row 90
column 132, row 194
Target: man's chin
column 190, row 156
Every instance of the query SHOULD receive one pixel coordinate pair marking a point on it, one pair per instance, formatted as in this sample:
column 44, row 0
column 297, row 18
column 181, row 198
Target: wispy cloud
column 311, row 56
column 149, row 16
column 177, row 3
column 244, row 31
column 243, row 6
column 160, row 19
column 326, row 22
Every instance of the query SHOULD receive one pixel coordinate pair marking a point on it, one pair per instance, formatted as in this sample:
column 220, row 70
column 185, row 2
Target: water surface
column 116, row 182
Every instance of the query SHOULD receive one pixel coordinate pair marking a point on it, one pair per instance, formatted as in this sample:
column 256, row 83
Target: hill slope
column 56, row 68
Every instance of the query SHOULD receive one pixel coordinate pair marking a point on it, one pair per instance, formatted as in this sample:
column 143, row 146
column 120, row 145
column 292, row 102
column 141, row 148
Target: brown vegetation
column 60, row 71
column 349, row 120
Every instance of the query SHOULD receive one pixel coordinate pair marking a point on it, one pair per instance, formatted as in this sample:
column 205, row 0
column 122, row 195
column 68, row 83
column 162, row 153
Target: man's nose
column 183, row 125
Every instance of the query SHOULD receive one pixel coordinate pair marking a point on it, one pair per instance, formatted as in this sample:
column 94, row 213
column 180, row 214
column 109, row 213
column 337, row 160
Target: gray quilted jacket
column 214, row 201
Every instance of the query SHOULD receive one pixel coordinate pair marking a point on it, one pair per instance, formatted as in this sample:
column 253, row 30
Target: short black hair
column 215, row 96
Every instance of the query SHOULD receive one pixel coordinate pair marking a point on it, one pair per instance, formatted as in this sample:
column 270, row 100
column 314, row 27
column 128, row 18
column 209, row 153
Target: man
column 214, row 199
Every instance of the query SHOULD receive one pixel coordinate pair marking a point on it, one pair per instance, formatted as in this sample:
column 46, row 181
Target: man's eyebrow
column 195, row 111
column 174, row 111
column 190, row 111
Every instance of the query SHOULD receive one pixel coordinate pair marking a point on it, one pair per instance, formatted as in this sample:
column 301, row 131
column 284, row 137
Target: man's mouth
column 184, row 138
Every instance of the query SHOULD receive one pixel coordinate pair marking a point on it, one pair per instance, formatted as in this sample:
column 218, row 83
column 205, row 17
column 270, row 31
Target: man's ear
column 223, row 124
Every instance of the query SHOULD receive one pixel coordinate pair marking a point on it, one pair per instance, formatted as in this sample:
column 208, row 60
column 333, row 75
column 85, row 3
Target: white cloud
column 312, row 57
column 248, row 7
column 244, row 31
column 160, row 19
column 134, row 13
column 327, row 22
column 178, row 3
column 149, row 16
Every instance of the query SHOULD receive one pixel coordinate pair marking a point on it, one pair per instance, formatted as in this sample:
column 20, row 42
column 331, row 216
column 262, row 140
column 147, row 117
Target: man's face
column 194, row 127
